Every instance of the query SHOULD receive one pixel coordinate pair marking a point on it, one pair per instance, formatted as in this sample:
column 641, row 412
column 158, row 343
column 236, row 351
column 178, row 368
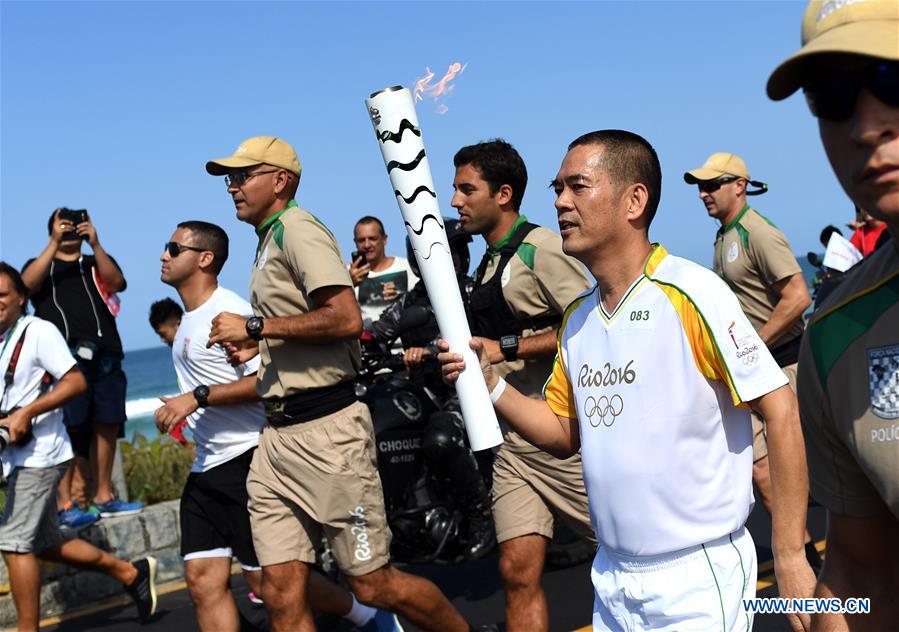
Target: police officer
column 848, row 69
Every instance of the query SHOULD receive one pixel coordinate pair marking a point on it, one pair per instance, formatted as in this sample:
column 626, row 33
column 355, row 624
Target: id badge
column 85, row 352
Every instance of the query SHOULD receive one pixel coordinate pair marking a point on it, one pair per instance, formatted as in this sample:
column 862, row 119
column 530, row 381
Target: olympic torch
column 393, row 115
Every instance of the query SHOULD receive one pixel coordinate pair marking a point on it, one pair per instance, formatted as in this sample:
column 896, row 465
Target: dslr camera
column 4, row 431
column 75, row 217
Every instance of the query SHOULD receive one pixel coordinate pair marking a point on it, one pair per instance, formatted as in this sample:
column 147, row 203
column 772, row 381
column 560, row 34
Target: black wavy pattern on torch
column 406, row 166
column 411, row 198
column 431, row 248
column 397, row 136
column 423, row 220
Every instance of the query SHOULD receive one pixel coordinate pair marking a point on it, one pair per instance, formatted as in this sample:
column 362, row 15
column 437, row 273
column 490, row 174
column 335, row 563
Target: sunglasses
column 238, row 178
column 710, row 186
column 174, row 248
column 833, row 95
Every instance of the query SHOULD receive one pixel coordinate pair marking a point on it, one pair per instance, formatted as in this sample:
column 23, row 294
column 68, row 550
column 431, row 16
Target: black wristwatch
column 254, row 327
column 201, row 394
column 509, row 346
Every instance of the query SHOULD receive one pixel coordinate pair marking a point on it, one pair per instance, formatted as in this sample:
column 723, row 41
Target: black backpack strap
column 505, row 253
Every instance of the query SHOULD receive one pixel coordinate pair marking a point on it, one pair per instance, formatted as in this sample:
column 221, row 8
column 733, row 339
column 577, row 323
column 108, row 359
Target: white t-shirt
column 220, row 432
column 370, row 292
column 44, row 351
column 659, row 388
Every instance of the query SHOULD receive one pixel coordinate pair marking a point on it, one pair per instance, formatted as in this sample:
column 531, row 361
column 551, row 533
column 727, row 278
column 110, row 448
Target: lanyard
column 12, row 332
column 10, row 336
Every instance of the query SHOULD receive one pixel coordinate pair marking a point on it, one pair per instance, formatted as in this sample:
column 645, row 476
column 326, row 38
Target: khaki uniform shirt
column 751, row 255
column 540, row 279
column 297, row 255
column 849, row 390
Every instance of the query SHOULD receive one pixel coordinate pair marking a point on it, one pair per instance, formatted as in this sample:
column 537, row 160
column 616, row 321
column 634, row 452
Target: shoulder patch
column 744, row 235
column 527, row 252
column 278, row 233
column 831, row 333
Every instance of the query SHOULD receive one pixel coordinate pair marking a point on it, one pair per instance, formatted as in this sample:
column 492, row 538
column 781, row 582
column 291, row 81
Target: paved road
column 473, row 587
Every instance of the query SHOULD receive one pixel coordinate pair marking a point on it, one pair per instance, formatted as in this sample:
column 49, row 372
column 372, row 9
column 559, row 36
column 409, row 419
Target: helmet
column 458, row 242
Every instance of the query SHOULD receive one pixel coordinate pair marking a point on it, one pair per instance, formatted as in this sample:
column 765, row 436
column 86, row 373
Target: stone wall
column 154, row 531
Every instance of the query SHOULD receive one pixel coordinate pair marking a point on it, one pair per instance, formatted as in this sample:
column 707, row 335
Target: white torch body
column 393, row 115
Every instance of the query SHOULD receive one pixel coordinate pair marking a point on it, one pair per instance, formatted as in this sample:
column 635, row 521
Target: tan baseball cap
column 721, row 164
column 269, row 150
column 856, row 27
column 717, row 165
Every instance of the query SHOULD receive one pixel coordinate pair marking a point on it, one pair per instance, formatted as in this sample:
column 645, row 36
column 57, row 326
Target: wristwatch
column 201, row 394
column 509, row 346
column 254, row 327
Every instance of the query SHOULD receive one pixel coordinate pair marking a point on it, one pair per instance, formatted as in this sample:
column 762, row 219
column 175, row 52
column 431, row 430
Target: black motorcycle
column 435, row 489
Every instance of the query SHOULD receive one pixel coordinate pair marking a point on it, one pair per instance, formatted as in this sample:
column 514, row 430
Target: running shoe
column 75, row 517
column 383, row 621
column 143, row 589
column 116, row 507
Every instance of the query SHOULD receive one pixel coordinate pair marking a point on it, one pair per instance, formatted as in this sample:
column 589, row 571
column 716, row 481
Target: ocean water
column 150, row 374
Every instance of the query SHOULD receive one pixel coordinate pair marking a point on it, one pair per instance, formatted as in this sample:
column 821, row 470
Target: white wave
column 143, row 407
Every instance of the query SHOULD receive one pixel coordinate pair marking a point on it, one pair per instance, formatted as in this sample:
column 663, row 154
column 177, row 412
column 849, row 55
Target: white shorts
column 697, row 588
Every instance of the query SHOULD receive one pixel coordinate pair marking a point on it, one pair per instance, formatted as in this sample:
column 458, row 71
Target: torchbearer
column 393, row 115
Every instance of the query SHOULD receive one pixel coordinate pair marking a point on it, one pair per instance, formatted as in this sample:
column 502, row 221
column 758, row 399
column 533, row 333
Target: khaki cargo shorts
column 314, row 478
column 759, row 428
column 531, row 488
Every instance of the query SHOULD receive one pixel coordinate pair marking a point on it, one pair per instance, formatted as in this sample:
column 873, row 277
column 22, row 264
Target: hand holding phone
column 74, row 217
column 359, row 268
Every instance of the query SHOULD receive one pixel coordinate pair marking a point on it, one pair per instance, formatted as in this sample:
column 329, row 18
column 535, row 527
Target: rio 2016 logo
column 606, row 376
column 604, row 410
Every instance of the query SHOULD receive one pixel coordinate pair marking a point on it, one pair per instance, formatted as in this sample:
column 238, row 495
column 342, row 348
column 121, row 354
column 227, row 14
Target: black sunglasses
column 710, row 186
column 833, row 95
column 174, row 248
column 238, row 178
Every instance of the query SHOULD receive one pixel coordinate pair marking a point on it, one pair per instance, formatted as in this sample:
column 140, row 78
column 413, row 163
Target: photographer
column 39, row 376
column 75, row 292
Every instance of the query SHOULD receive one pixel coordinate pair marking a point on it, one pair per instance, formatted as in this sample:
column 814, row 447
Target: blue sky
column 116, row 106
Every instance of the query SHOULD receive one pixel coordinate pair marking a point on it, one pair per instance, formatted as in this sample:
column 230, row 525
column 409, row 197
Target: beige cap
column 255, row 151
column 856, row 27
column 716, row 166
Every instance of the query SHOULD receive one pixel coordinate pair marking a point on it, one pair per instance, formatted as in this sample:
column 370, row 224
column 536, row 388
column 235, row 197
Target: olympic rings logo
column 605, row 410
column 750, row 359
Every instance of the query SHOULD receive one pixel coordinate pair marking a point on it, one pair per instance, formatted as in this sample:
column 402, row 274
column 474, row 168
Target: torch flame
column 422, row 84
column 440, row 90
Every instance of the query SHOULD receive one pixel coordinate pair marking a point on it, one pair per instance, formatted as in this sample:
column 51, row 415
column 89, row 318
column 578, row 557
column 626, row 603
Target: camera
column 75, row 217
column 4, row 431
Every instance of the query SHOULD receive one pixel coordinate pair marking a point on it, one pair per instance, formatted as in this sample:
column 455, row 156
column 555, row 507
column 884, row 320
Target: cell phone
column 75, row 217
column 357, row 254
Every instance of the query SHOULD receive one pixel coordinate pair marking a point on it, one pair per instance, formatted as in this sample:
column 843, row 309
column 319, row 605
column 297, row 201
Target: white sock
column 359, row 614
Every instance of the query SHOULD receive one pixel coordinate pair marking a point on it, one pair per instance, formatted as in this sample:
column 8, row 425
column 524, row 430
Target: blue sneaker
column 116, row 507
column 75, row 517
column 383, row 621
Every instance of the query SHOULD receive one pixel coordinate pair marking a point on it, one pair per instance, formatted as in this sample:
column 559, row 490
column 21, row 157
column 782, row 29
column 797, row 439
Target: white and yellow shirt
column 659, row 388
